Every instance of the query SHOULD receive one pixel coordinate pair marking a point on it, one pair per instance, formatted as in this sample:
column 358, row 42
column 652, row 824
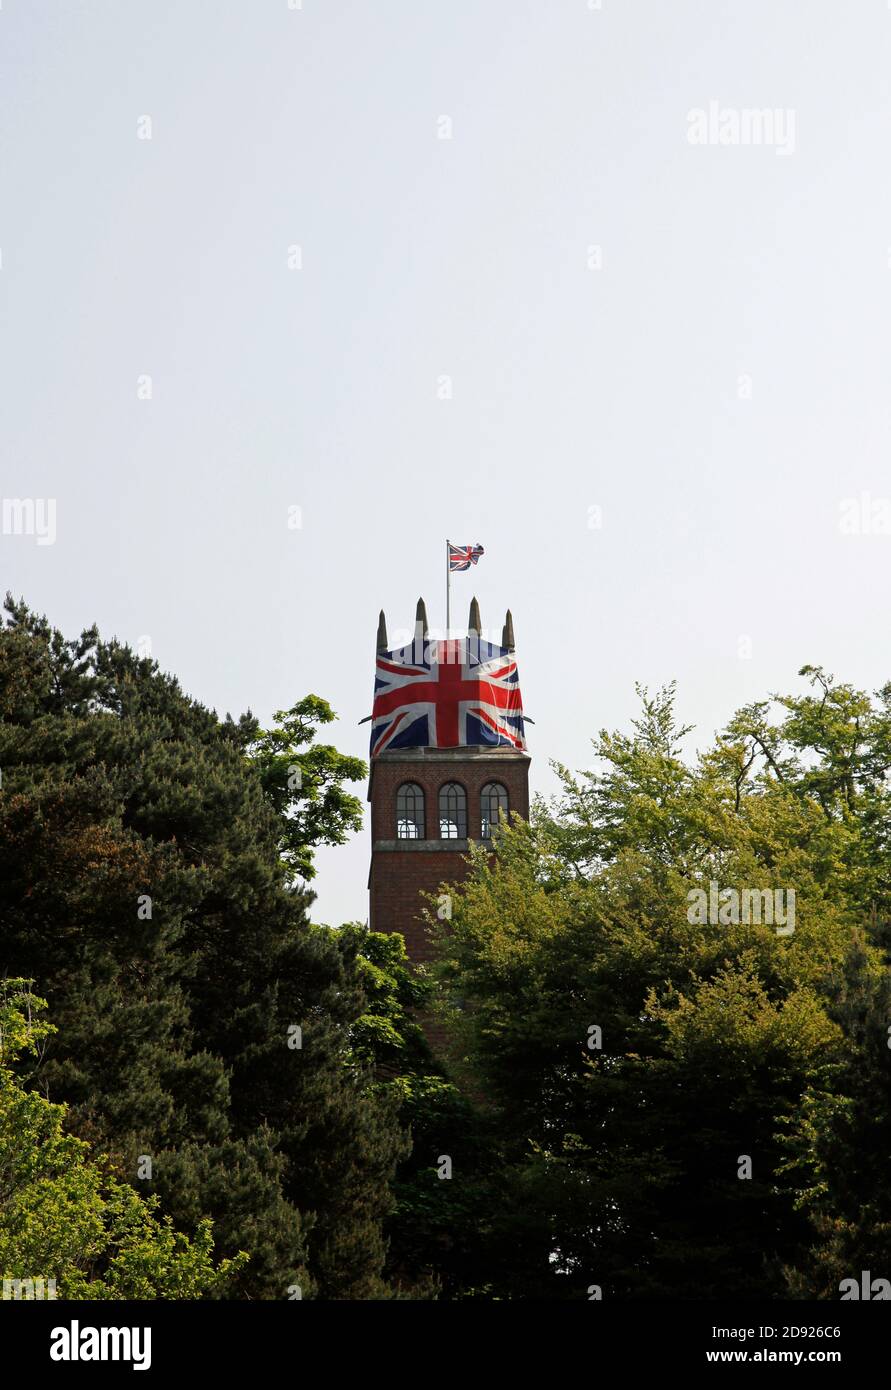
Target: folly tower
column 448, row 759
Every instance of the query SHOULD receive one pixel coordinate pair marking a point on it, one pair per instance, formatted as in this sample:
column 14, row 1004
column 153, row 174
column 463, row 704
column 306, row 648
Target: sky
column 291, row 293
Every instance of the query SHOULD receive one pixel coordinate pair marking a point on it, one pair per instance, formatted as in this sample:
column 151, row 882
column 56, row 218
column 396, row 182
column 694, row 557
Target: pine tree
column 68, row 1229
column 148, row 857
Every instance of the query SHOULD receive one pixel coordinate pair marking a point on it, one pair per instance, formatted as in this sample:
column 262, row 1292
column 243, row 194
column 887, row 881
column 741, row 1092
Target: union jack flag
column 459, row 693
column 461, row 557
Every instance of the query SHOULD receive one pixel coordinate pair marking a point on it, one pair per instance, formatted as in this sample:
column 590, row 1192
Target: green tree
column 303, row 782
column 63, row 1216
column 442, row 1242
column 148, row 853
column 645, row 1068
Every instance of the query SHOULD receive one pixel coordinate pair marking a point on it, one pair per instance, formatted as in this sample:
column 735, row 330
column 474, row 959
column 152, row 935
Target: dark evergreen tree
column 149, row 855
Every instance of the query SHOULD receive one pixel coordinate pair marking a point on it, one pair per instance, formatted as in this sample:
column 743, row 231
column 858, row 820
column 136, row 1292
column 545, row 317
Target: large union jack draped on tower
column 447, row 694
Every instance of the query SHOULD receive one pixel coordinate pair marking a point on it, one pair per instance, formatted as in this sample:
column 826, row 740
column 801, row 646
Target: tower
column 448, row 759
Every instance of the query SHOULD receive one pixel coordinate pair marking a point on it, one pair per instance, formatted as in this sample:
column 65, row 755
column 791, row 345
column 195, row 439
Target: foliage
column 687, row 1107
column 62, row 1217
column 148, row 853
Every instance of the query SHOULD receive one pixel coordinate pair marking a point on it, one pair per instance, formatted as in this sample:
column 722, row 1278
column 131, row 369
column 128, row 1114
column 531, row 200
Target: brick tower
column 448, row 760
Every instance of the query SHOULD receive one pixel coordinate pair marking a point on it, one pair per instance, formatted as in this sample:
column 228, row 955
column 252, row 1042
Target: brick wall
column 401, row 870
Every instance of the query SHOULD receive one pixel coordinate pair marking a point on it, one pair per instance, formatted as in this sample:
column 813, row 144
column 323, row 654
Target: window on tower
column 410, row 812
column 452, row 812
column 493, row 807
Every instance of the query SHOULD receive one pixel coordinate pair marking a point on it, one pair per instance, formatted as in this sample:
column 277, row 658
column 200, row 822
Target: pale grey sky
column 572, row 388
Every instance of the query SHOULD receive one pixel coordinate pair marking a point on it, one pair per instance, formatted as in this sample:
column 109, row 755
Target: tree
column 63, row 1217
column 838, row 1144
column 442, row 1241
column 646, row 1066
column 304, row 783
column 148, row 853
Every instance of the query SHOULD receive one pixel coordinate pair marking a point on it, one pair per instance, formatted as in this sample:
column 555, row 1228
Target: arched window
column 452, row 812
column 410, row 812
column 493, row 807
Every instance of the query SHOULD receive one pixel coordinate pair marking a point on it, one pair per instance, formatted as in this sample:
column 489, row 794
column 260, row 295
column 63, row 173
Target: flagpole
column 448, row 593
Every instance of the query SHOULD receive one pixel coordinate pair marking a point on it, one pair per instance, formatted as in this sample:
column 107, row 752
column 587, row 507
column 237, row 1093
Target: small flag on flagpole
column 461, row 557
column 458, row 557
